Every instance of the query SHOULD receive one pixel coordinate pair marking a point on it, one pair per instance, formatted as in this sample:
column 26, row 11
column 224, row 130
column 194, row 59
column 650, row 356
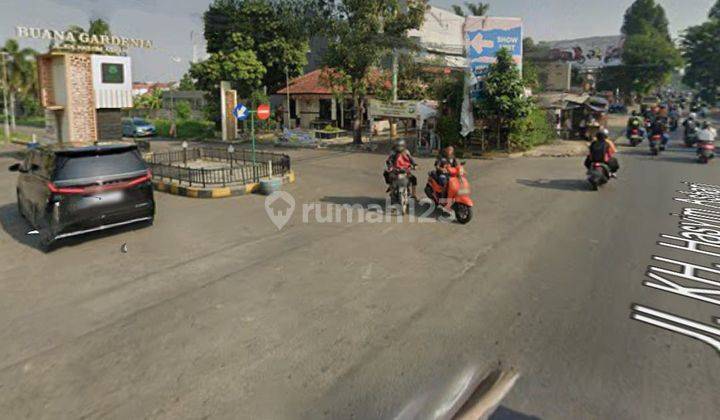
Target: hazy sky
column 170, row 23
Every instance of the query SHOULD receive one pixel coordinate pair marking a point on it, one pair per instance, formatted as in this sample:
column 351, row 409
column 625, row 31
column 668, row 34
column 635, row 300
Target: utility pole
column 5, row 89
column 393, row 121
column 287, row 90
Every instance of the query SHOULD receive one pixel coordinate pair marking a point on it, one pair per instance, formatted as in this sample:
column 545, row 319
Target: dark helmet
column 602, row 135
column 634, row 113
column 705, row 125
column 400, row 146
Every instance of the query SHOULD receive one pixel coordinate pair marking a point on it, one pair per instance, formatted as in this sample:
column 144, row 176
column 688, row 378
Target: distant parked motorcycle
column 705, row 151
column 598, row 175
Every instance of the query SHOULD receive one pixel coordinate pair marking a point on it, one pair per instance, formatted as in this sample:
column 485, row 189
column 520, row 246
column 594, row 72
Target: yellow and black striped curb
column 218, row 192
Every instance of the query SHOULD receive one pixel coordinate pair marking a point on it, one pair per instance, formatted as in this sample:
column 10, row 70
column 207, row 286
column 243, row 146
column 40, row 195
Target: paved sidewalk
column 558, row 148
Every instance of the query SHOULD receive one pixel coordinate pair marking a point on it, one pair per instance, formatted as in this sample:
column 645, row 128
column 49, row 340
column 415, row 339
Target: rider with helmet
column 635, row 122
column 602, row 150
column 400, row 160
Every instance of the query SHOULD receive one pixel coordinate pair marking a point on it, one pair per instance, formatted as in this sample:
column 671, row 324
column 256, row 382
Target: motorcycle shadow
column 576, row 184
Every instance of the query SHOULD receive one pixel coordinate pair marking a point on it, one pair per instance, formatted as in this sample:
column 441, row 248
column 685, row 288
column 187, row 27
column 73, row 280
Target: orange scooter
column 457, row 199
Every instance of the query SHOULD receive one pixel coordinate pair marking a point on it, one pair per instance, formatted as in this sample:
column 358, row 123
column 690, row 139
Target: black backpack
column 598, row 150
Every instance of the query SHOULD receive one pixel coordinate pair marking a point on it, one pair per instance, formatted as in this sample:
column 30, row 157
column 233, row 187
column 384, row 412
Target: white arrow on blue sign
column 241, row 112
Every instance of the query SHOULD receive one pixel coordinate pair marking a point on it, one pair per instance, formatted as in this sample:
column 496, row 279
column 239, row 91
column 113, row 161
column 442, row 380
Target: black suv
column 75, row 188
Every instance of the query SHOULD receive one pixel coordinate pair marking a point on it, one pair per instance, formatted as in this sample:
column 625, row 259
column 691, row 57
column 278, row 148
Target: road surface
column 215, row 313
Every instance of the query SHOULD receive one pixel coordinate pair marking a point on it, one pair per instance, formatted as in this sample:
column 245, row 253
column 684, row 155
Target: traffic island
column 212, row 172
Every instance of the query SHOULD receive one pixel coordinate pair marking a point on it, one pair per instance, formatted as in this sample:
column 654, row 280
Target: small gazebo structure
column 312, row 105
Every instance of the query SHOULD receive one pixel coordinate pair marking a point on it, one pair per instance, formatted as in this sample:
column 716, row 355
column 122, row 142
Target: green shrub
column 533, row 130
column 448, row 128
column 330, row 129
column 186, row 129
column 183, row 110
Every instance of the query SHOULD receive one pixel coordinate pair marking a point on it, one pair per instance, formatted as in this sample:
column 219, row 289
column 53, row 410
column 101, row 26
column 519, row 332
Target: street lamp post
column 5, row 89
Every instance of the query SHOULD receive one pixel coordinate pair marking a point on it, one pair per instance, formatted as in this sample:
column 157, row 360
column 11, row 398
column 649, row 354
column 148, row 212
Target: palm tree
column 479, row 9
column 21, row 73
column 458, row 10
column 98, row 27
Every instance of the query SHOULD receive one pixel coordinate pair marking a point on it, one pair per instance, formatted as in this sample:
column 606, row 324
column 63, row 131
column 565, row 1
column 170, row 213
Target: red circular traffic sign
column 263, row 112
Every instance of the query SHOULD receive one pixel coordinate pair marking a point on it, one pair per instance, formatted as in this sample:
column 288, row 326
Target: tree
column 715, row 11
column 279, row 29
column 20, row 63
column 503, row 97
column 237, row 64
column 645, row 16
column 364, row 31
column 150, row 101
column 649, row 54
column 475, row 9
column 186, row 82
column 649, row 61
column 702, row 53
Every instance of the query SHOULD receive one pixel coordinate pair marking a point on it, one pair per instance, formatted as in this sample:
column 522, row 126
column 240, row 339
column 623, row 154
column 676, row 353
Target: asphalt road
column 215, row 313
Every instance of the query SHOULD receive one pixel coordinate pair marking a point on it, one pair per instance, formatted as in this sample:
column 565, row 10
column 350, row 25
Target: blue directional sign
column 241, row 112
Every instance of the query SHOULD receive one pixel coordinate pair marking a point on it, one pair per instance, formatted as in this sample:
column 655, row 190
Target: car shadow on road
column 504, row 413
column 557, row 184
column 15, row 226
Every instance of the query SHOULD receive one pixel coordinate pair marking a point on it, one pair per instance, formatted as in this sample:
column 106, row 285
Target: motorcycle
column 400, row 190
column 636, row 136
column 705, row 151
column 456, row 198
column 598, row 174
column 655, row 142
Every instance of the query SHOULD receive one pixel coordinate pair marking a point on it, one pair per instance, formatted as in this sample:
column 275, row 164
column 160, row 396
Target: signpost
column 241, row 113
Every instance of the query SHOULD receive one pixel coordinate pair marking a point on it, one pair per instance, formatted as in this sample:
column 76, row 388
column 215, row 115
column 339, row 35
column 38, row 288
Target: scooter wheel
column 463, row 213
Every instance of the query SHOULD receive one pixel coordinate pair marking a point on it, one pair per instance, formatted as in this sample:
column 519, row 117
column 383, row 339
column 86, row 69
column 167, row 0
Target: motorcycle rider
column 635, row 121
column 400, row 160
column 659, row 128
column 446, row 166
column 602, row 150
column 707, row 133
column 690, row 123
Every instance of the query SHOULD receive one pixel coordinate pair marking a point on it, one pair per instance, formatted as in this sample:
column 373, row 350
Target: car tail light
column 93, row 189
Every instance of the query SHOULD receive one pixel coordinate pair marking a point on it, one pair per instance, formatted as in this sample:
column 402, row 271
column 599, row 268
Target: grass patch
column 31, row 121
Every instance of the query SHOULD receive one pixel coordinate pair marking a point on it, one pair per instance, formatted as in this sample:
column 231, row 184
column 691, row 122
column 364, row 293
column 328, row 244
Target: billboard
column 588, row 53
column 485, row 36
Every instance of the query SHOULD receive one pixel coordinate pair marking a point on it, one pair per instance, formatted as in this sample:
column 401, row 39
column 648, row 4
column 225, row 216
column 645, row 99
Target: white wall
column 112, row 95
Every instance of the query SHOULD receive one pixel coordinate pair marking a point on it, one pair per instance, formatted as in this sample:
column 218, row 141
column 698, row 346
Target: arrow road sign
column 241, row 112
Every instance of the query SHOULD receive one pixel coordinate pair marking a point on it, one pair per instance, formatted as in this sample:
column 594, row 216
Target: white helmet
column 692, row 115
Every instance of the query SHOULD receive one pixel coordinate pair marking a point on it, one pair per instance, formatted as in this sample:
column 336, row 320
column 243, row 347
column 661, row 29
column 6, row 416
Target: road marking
column 699, row 234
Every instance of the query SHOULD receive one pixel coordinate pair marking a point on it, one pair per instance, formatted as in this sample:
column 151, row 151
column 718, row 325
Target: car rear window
column 98, row 165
